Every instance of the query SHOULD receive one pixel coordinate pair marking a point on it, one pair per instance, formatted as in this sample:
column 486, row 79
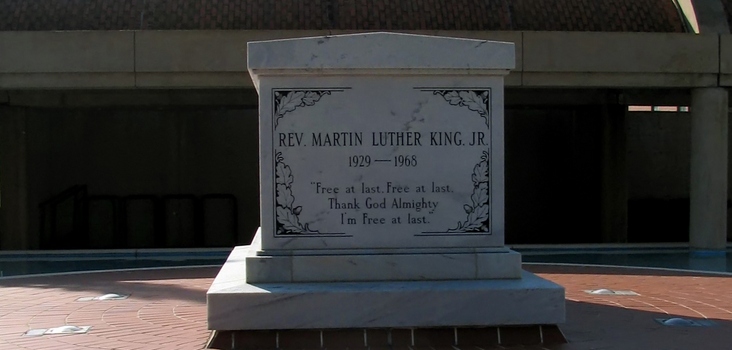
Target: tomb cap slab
column 380, row 53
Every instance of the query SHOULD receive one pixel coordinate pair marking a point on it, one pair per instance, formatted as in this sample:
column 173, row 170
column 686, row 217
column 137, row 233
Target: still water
column 15, row 265
column 677, row 260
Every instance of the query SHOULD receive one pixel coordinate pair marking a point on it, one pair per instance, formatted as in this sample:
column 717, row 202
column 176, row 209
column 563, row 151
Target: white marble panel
column 383, row 267
column 233, row 272
column 371, row 141
column 490, row 266
column 269, row 268
column 381, row 162
column 330, row 268
column 377, row 52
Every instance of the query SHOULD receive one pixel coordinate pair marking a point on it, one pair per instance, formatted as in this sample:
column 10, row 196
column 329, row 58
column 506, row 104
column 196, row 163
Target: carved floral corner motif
column 287, row 214
column 475, row 100
column 288, row 100
column 478, row 210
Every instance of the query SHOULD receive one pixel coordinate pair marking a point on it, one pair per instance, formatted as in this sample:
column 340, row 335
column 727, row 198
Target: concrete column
column 708, row 190
column 614, row 175
column 13, row 179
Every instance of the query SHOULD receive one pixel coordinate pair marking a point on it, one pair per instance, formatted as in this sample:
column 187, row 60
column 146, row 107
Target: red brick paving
column 167, row 309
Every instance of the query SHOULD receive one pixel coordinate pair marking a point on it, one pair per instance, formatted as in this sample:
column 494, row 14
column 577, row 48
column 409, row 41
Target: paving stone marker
column 382, row 191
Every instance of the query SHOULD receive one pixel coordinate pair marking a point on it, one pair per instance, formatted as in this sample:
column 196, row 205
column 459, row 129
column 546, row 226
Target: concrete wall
column 658, row 146
column 201, row 59
column 620, row 59
column 659, row 155
column 553, row 175
column 553, row 169
column 197, row 142
column 67, row 59
column 13, row 179
column 122, row 152
column 156, row 112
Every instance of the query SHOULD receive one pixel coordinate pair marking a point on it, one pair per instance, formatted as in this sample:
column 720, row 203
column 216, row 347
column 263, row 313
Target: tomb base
column 235, row 304
column 341, row 265
column 384, row 338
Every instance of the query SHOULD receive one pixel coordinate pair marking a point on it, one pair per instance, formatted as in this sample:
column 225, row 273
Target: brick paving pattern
column 563, row 15
column 167, row 309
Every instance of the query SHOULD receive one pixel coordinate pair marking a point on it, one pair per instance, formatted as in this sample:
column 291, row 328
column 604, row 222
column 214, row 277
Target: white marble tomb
column 381, row 159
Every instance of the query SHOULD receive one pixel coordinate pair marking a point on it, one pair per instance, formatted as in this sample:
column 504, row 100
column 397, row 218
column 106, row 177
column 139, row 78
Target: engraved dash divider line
column 439, row 234
column 335, row 234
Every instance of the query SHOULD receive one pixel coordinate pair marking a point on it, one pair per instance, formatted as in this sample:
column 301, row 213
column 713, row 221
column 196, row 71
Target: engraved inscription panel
column 381, row 164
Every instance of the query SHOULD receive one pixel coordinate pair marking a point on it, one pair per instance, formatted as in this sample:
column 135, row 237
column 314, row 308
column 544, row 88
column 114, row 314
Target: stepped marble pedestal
column 381, row 192
column 235, row 304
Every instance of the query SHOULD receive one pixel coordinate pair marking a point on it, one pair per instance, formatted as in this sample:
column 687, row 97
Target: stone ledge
column 526, row 301
column 392, row 267
column 380, row 51
column 370, row 266
column 382, row 267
